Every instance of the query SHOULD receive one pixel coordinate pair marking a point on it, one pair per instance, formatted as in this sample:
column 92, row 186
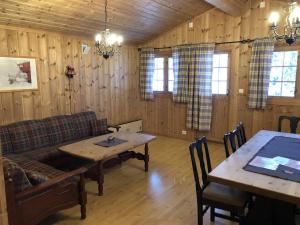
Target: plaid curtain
column 199, row 108
column 181, row 59
column 147, row 58
column 260, row 68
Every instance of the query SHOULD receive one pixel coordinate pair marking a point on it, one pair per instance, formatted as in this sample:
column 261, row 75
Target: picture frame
column 18, row 74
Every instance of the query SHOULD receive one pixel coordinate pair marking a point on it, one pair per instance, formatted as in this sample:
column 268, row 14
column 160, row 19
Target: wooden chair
column 293, row 123
column 241, row 130
column 214, row 195
column 234, row 139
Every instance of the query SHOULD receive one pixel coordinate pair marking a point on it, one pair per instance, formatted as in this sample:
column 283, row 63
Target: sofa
column 37, row 174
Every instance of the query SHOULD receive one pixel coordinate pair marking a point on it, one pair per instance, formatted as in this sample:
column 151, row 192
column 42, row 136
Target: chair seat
column 226, row 195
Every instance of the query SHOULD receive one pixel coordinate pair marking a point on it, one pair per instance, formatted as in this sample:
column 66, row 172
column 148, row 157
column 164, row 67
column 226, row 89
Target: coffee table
column 87, row 149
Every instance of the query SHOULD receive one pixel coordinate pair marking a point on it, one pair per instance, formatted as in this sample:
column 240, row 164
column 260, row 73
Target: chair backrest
column 201, row 147
column 293, row 123
column 241, row 130
column 234, row 139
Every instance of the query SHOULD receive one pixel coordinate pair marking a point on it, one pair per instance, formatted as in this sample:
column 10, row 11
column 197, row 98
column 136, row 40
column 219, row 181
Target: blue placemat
column 107, row 143
column 283, row 147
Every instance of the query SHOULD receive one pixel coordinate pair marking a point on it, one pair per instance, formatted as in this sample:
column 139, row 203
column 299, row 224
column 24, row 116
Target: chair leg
column 200, row 213
column 212, row 214
column 82, row 197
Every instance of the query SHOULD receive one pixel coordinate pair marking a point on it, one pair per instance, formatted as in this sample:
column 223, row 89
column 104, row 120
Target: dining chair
column 213, row 195
column 232, row 140
column 293, row 123
column 241, row 130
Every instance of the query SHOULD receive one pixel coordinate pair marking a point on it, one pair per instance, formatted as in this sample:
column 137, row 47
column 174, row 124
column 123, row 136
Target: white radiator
column 134, row 126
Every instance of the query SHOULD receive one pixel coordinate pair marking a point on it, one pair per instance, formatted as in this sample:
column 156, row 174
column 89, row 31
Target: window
column 158, row 77
column 220, row 74
column 283, row 74
column 163, row 77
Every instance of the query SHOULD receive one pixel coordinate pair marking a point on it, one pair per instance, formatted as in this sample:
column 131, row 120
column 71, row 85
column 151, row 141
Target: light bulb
column 274, row 18
column 120, row 40
column 98, row 37
column 295, row 16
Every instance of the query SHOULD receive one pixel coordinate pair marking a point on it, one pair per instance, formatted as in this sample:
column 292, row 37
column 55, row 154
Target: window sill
column 290, row 101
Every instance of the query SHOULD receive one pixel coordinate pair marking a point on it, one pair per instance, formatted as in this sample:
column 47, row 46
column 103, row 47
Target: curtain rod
column 245, row 41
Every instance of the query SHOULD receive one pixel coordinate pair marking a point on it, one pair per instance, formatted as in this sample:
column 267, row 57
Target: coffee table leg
column 100, row 178
column 146, row 157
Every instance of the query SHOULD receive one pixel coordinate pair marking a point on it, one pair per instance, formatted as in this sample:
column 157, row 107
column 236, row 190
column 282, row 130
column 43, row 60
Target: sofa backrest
column 34, row 134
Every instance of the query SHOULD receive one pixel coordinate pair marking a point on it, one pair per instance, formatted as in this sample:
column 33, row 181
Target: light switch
column 241, row 91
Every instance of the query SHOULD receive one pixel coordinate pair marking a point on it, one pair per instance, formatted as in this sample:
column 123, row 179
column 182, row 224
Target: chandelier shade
column 106, row 43
column 291, row 28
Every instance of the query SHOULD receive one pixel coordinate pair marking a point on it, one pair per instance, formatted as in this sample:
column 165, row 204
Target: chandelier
column 291, row 29
column 107, row 44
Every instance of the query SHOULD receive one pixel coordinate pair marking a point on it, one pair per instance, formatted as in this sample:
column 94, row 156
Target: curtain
column 147, row 59
column 193, row 65
column 260, row 69
column 181, row 58
column 199, row 108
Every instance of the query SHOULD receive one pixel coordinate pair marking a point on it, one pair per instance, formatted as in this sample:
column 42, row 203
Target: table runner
column 107, row 143
column 279, row 146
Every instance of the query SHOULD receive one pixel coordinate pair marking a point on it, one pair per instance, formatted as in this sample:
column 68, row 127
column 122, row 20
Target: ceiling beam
column 231, row 7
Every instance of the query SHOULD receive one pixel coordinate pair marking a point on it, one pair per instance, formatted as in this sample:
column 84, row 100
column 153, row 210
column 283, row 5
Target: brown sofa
column 32, row 165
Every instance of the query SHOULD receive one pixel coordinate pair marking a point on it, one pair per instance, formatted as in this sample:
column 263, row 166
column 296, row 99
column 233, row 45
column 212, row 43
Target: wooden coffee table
column 87, row 149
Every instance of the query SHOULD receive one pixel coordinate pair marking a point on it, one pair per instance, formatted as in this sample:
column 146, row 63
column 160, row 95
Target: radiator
column 133, row 126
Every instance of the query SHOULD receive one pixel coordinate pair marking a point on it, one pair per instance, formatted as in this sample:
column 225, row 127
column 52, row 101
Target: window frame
column 275, row 99
column 166, row 54
column 218, row 52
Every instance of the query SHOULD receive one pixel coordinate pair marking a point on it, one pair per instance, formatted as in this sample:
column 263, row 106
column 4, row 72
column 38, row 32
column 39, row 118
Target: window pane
column 276, row 74
column 158, row 75
column 158, row 85
column 170, row 63
column 223, row 73
column 159, row 63
column 215, row 87
column 288, row 89
column 277, row 59
column 215, row 75
column 223, row 60
column 171, row 75
column 170, row 86
column 216, row 60
column 223, row 87
column 275, row 88
column 290, row 58
column 289, row 74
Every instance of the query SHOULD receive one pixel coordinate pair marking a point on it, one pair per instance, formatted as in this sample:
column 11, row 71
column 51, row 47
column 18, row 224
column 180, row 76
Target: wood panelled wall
column 108, row 87
column 168, row 118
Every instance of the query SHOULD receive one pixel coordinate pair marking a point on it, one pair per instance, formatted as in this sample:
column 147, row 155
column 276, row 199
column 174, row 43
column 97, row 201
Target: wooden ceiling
column 137, row 20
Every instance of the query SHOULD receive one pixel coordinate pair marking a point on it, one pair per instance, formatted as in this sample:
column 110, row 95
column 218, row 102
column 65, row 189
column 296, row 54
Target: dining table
column 232, row 171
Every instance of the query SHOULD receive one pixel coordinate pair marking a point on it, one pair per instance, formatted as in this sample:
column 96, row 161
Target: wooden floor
column 163, row 196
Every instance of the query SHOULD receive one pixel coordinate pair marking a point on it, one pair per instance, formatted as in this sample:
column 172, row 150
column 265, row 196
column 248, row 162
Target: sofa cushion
column 49, row 153
column 82, row 123
column 6, row 145
column 99, row 127
column 36, row 178
column 43, row 154
column 13, row 171
column 60, row 129
column 32, row 165
column 28, row 135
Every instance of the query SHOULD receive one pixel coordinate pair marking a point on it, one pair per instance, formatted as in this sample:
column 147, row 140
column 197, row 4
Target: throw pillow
column 35, row 177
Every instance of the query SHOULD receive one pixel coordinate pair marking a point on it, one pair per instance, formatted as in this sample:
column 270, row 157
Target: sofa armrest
column 117, row 127
column 50, row 183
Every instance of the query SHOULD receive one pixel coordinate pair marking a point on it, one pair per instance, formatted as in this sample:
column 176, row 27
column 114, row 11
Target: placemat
column 280, row 157
column 114, row 142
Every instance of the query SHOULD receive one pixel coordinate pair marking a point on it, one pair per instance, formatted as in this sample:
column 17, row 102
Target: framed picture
column 18, row 74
